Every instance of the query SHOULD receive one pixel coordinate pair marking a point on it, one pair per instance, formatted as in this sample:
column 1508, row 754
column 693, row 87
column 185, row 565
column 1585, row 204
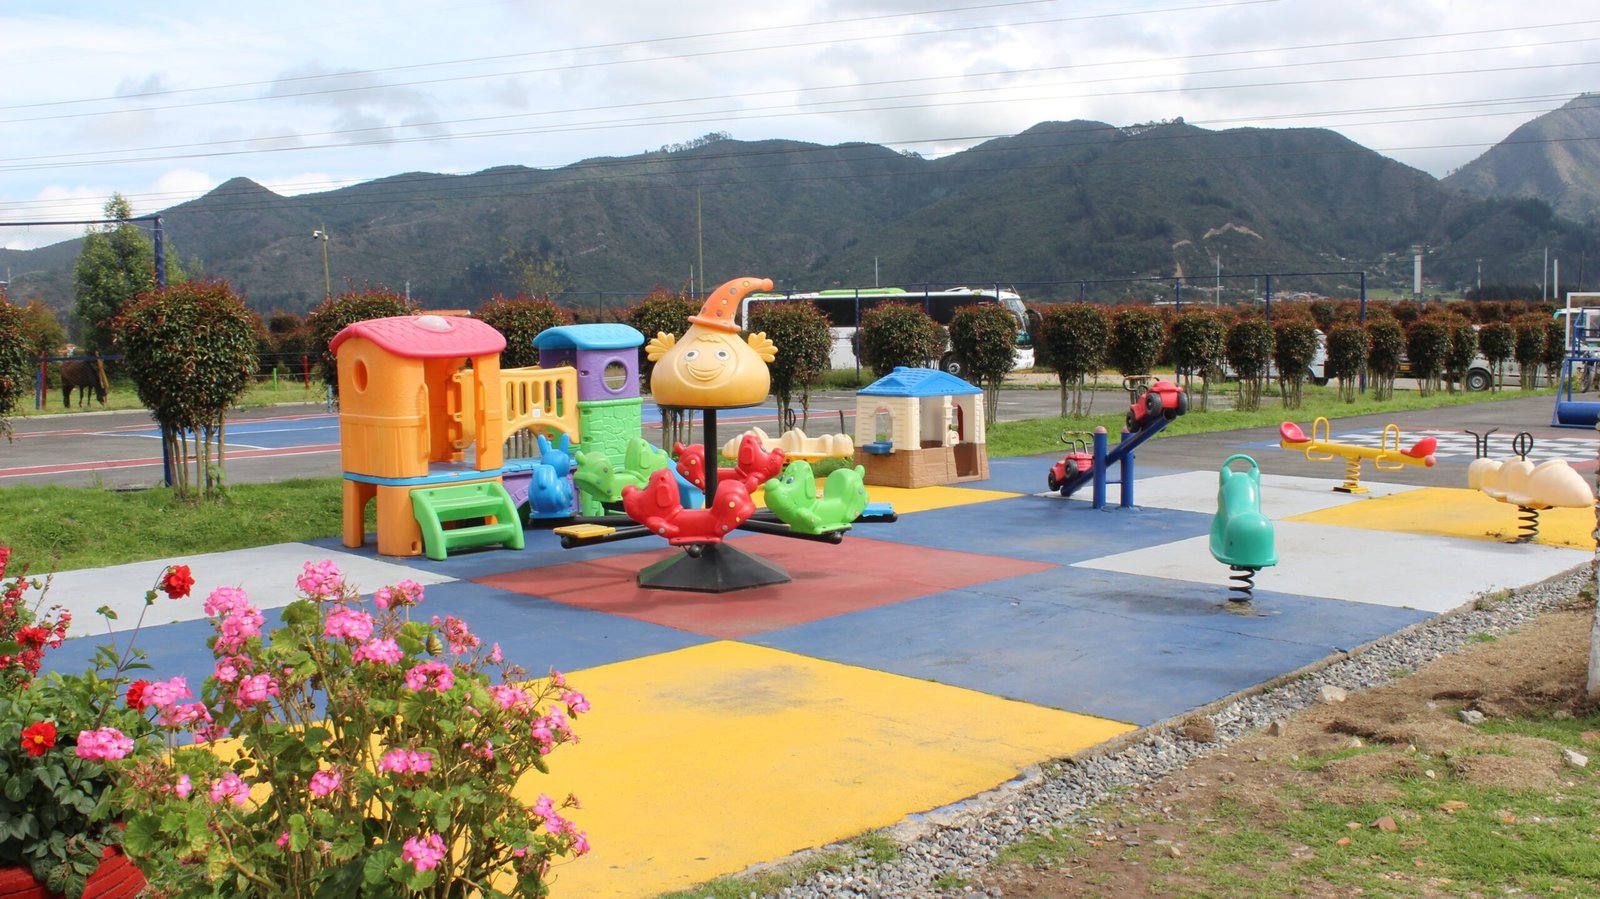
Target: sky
column 162, row 102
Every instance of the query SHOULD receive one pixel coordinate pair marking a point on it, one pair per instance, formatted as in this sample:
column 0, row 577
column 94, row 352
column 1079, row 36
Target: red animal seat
column 1289, row 432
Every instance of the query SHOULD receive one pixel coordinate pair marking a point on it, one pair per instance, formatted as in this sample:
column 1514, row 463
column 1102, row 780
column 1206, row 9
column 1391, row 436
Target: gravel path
column 962, row 840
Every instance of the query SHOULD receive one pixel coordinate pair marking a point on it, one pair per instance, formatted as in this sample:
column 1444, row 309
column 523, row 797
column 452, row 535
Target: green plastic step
column 433, row 506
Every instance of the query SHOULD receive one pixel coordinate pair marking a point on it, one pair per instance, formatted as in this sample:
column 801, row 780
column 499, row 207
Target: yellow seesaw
column 1319, row 447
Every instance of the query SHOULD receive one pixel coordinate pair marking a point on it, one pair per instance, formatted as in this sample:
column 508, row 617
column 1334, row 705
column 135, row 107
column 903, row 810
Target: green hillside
column 1042, row 210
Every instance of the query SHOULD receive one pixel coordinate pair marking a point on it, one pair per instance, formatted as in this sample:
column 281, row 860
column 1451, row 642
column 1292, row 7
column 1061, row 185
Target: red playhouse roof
column 426, row 336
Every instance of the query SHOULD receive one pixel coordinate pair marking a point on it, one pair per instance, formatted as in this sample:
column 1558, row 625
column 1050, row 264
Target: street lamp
column 327, row 283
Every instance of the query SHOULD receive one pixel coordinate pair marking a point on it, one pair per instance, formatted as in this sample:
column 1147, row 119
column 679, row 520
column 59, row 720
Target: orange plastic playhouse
column 424, row 412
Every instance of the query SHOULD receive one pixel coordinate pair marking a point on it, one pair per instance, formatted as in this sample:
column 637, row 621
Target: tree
column 335, row 313
column 521, row 319
column 1555, row 348
column 1072, row 343
column 16, row 363
column 1497, row 340
column 800, row 332
column 1294, row 346
column 1137, row 336
column 1348, row 346
column 1198, row 339
column 1529, row 349
column 984, row 338
column 896, row 334
column 46, row 337
column 191, row 350
column 1427, row 345
column 1388, row 347
column 1462, row 349
column 116, row 264
column 1249, row 354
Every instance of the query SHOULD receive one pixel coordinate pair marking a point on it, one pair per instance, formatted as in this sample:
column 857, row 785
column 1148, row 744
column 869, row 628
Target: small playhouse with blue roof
column 919, row 427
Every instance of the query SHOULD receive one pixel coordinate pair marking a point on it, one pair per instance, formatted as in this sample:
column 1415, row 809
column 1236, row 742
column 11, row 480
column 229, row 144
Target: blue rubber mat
column 1118, row 646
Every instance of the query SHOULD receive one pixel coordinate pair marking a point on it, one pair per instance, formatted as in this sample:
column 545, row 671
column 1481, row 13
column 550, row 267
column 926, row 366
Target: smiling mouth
column 708, row 373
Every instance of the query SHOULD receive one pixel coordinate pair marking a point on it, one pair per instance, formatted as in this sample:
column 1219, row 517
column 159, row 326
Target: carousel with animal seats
column 711, row 368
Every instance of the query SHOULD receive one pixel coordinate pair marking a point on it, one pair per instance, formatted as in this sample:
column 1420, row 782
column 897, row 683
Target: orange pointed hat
column 722, row 306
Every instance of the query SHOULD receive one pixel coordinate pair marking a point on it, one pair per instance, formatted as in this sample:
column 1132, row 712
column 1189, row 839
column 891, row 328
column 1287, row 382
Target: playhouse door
column 461, row 412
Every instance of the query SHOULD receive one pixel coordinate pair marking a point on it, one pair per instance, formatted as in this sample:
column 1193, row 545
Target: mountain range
column 1045, row 210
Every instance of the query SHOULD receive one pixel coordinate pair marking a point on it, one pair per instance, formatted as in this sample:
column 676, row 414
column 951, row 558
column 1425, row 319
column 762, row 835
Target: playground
column 798, row 661
column 995, row 626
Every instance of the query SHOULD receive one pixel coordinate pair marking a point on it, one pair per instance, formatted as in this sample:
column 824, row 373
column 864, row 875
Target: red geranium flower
column 177, row 582
column 38, row 738
column 136, row 700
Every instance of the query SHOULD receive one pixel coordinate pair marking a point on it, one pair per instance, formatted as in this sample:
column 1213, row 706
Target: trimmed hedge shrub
column 521, row 319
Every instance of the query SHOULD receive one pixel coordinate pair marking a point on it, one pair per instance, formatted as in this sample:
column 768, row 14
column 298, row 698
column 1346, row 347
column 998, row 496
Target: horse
column 84, row 375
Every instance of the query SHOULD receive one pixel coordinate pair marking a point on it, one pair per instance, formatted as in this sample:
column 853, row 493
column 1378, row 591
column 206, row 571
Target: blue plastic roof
column 918, row 382
column 606, row 336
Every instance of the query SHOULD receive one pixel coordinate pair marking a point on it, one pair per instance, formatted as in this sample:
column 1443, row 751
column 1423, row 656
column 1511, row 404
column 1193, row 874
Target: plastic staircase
column 434, row 506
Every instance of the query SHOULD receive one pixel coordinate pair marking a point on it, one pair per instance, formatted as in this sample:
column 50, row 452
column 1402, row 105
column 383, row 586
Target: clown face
column 708, row 369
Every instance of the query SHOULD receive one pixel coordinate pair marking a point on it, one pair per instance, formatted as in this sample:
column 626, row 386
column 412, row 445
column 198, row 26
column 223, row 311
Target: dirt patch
column 1353, row 753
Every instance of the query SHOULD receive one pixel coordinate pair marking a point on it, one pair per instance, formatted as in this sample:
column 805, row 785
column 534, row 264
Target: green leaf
column 143, row 835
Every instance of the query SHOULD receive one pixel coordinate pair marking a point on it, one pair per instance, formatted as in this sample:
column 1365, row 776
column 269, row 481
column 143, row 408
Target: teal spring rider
column 1241, row 536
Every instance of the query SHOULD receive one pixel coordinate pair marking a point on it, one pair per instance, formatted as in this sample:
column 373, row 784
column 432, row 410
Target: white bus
column 844, row 309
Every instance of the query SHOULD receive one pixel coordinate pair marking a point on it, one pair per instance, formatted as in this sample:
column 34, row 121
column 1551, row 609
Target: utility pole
column 327, row 282
column 1217, row 300
column 1480, row 278
column 700, row 237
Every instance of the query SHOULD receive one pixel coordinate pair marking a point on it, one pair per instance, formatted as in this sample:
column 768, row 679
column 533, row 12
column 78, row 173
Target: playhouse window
column 615, row 376
column 883, row 424
column 359, row 373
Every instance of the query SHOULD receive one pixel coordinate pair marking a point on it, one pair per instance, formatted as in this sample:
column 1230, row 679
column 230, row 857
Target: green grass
column 122, row 397
column 54, row 528
column 1500, row 841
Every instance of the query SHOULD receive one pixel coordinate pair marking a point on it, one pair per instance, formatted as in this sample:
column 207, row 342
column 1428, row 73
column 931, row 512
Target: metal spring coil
column 1244, row 583
column 1352, row 476
column 1527, row 524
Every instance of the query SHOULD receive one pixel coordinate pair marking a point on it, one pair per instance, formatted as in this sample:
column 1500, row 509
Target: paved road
column 122, row 449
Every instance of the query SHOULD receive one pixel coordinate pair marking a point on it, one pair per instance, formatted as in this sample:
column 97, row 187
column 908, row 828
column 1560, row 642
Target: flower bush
column 355, row 751
column 63, row 736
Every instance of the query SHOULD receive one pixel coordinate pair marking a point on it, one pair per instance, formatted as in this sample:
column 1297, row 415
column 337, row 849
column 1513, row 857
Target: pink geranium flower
column 256, row 688
column 385, row 651
column 431, row 676
column 321, row 580
column 325, row 782
column 406, row 761
column 348, row 624
column 425, row 852
column 230, row 787
column 103, row 744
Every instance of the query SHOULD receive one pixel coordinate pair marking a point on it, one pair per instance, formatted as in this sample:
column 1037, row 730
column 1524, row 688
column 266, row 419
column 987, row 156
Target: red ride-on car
column 1162, row 398
column 1079, row 458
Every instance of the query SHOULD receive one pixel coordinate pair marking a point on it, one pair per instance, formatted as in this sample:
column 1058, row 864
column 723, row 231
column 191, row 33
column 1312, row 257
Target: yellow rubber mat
column 921, row 499
column 702, row 762
column 1457, row 512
